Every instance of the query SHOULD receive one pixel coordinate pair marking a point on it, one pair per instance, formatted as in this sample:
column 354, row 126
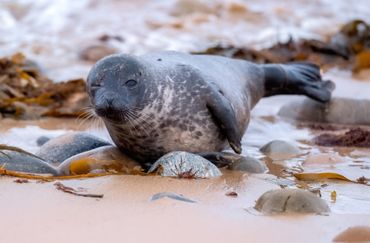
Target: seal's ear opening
column 297, row 78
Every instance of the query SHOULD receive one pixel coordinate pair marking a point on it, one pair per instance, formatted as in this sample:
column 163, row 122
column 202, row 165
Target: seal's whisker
column 87, row 114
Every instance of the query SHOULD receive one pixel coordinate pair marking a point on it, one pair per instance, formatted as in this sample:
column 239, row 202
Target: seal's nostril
column 109, row 101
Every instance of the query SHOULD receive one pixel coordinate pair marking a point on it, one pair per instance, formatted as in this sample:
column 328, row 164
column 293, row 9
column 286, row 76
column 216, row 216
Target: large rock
column 248, row 164
column 23, row 162
column 100, row 160
column 184, row 165
column 354, row 234
column 63, row 147
column 290, row 201
column 280, row 150
column 338, row 110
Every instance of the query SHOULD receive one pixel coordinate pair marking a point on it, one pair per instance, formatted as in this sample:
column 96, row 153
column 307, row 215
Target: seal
column 170, row 101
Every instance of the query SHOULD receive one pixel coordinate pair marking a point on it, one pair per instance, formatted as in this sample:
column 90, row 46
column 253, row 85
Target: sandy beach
column 40, row 213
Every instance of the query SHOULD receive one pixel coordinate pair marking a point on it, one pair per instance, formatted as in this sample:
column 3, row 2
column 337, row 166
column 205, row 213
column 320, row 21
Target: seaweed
column 26, row 93
column 355, row 137
column 348, row 48
column 70, row 190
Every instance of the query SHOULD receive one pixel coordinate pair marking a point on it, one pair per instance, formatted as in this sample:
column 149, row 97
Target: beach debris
column 312, row 176
column 25, row 93
column 171, row 195
column 16, row 159
column 280, row 150
column 231, row 194
column 105, row 159
column 107, row 37
column 354, row 234
column 333, row 196
column 318, row 126
column 355, row 137
column 290, row 201
column 319, row 176
column 363, row 180
column 58, row 149
column 70, row 190
column 345, row 111
column 248, row 164
column 41, row 178
column 349, row 48
column 184, row 165
column 21, row 181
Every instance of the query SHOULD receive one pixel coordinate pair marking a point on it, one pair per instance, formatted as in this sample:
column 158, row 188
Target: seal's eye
column 95, row 85
column 131, row 83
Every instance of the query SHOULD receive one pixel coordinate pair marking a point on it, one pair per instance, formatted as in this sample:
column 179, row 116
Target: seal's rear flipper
column 297, row 78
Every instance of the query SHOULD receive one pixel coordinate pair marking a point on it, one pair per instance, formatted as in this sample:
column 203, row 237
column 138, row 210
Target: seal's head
column 116, row 86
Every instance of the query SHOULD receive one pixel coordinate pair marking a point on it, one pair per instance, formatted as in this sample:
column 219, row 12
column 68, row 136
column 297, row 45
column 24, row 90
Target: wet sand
column 126, row 213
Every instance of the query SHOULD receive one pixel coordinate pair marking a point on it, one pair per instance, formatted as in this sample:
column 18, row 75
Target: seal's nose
column 106, row 106
column 109, row 101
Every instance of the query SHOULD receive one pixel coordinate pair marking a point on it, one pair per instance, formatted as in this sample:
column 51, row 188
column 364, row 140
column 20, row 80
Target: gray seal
column 170, row 101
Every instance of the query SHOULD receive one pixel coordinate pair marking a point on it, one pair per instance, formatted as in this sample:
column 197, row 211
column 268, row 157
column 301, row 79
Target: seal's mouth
column 110, row 113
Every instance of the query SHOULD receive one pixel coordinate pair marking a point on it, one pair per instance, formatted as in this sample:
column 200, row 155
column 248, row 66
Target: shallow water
column 54, row 32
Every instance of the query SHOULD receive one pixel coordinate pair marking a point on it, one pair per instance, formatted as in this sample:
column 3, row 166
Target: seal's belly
column 149, row 140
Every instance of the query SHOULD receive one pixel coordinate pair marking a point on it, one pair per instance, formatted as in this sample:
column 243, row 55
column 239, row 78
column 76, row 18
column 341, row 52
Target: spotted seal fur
column 170, row 101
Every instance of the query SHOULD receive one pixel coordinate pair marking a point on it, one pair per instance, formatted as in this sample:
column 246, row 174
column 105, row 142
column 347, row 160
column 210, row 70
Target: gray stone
column 290, row 201
column 42, row 140
column 63, row 147
column 280, row 150
column 248, row 164
column 184, row 165
column 99, row 160
column 338, row 110
column 171, row 195
column 23, row 162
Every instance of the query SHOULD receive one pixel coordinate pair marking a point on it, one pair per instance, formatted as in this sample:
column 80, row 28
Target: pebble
column 184, row 165
column 290, row 201
column 338, row 111
column 249, row 164
column 280, row 150
column 42, row 140
column 354, row 234
column 171, row 195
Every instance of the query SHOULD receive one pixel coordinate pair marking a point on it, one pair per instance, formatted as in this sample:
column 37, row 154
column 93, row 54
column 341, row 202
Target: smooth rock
column 184, row 165
column 21, row 162
column 65, row 146
column 42, row 140
column 338, row 110
column 290, row 201
column 354, row 234
column 100, row 160
column 280, row 150
column 249, row 164
column 171, row 195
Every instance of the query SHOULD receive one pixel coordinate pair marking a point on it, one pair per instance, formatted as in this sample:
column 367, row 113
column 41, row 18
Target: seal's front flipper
column 297, row 78
column 221, row 159
column 224, row 115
